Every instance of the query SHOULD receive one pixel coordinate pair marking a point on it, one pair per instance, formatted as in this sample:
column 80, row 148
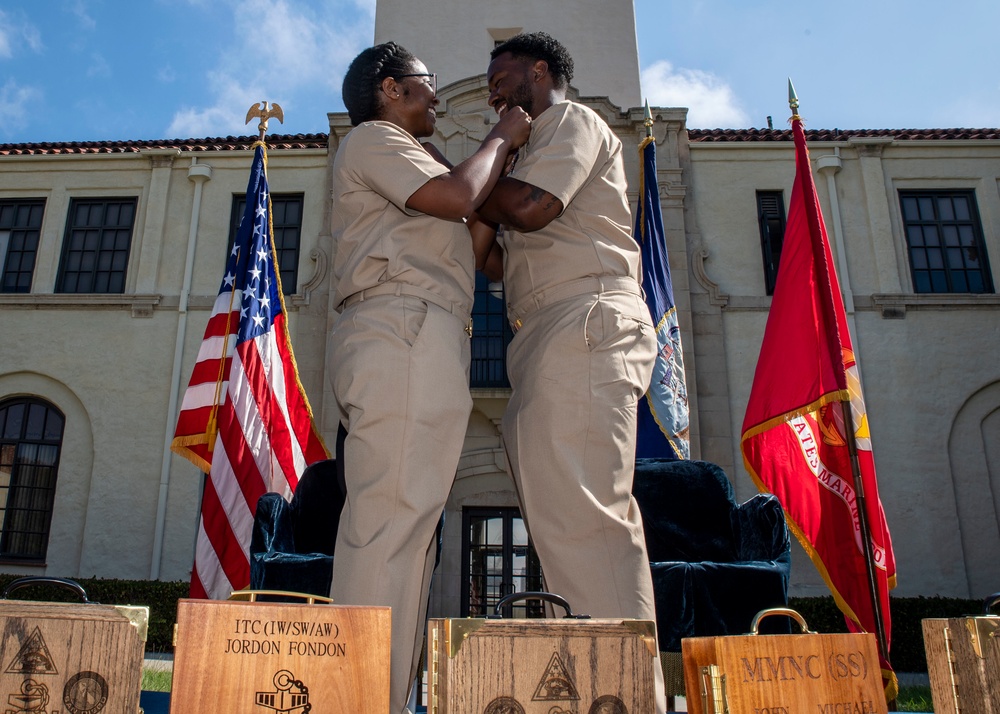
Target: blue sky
column 85, row 70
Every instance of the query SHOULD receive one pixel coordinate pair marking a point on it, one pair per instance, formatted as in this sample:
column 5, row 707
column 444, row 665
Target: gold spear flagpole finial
column 793, row 101
column 263, row 113
column 648, row 121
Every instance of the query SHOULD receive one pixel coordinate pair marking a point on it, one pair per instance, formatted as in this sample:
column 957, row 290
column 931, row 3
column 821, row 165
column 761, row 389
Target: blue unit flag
column 663, row 429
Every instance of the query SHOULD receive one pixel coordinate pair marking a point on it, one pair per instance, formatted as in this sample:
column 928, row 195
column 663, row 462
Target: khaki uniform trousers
column 578, row 368
column 400, row 371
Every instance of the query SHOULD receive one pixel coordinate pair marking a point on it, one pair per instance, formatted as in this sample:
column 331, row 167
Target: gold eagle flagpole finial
column 263, row 113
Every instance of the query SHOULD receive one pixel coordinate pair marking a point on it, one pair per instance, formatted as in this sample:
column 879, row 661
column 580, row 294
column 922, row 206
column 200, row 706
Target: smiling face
column 413, row 104
column 510, row 85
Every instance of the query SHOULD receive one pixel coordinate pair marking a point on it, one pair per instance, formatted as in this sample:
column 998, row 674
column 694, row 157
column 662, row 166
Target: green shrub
column 906, row 650
column 820, row 613
column 160, row 597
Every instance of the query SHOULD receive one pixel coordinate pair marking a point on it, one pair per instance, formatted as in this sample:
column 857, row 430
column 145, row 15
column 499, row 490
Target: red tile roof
column 728, row 135
column 228, row 143
column 320, row 141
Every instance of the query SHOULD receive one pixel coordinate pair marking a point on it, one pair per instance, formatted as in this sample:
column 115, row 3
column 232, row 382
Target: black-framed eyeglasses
column 432, row 75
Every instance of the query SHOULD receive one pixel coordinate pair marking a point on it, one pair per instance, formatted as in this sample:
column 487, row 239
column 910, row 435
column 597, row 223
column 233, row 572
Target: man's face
column 509, row 82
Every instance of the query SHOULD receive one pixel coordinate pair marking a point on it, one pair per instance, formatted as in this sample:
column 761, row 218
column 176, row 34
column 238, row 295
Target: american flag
column 246, row 422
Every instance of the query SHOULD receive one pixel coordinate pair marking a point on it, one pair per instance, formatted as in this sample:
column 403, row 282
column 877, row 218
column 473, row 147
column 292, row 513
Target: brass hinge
column 951, row 665
column 433, row 676
column 713, row 690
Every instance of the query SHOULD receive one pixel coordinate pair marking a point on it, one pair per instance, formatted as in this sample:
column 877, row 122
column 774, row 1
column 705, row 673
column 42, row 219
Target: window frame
column 12, row 281
column 23, row 479
column 943, row 250
column 288, row 275
column 491, row 334
column 119, row 258
column 771, row 253
column 506, row 550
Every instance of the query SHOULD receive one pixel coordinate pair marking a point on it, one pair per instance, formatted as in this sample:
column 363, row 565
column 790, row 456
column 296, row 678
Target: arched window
column 30, row 441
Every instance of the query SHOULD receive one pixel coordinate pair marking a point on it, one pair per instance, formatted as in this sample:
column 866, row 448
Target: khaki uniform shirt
column 377, row 168
column 574, row 155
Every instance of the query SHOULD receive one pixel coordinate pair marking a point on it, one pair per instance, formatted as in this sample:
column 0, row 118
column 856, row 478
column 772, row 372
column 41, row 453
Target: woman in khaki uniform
column 400, row 352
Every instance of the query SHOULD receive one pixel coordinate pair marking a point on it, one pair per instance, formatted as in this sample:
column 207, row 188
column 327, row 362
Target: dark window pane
column 286, row 223
column 963, row 208
column 20, row 228
column 97, row 244
column 945, row 210
column 945, row 237
column 29, row 457
column 771, row 222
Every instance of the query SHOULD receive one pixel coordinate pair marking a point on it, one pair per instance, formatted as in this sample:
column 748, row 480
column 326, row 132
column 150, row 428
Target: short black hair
column 540, row 46
column 365, row 75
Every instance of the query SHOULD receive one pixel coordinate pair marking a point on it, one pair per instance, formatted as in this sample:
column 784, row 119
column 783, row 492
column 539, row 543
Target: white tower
column 454, row 37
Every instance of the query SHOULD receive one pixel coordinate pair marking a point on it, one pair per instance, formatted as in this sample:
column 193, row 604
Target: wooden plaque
column 63, row 658
column 265, row 657
column 783, row 674
column 963, row 664
column 541, row 666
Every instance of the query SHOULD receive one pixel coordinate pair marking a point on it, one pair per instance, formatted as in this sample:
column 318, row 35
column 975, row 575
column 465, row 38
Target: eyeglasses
column 432, row 75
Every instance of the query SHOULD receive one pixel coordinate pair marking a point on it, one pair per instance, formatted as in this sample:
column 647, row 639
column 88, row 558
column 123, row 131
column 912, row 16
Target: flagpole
column 859, row 488
column 866, row 533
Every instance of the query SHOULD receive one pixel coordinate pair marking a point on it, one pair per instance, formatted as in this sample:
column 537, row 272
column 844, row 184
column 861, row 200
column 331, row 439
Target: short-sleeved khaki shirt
column 377, row 168
column 574, row 155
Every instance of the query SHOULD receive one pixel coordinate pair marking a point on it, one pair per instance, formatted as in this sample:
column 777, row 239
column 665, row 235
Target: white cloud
column 15, row 104
column 280, row 51
column 79, row 8
column 710, row 102
column 167, row 75
column 99, row 66
column 14, row 31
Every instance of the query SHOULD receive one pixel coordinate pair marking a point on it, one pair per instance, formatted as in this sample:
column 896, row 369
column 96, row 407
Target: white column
column 199, row 174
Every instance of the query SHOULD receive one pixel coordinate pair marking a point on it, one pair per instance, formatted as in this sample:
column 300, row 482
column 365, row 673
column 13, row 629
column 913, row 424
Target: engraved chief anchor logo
column 556, row 683
column 33, row 657
column 283, row 699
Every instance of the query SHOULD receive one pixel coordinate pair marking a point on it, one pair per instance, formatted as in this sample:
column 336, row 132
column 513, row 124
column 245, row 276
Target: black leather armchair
column 715, row 562
column 292, row 544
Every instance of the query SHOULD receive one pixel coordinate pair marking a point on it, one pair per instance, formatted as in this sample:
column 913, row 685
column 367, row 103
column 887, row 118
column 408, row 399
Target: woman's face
column 416, row 108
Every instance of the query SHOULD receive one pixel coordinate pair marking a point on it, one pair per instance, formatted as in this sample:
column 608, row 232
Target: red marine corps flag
column 245, row 419
column 805, row 433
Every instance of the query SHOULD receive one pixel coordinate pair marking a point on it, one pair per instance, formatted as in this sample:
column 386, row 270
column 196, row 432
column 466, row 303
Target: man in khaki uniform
column 399, row 357
column 583, row 351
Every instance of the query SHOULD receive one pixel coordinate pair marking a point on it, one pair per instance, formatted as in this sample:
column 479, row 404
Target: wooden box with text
column 233, row 656
column 540, row 666
column 70, row 658
column 783, row 674
column 963, row 664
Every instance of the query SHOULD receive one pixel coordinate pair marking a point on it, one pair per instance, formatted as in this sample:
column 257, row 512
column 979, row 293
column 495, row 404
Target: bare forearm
column 520, row 205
